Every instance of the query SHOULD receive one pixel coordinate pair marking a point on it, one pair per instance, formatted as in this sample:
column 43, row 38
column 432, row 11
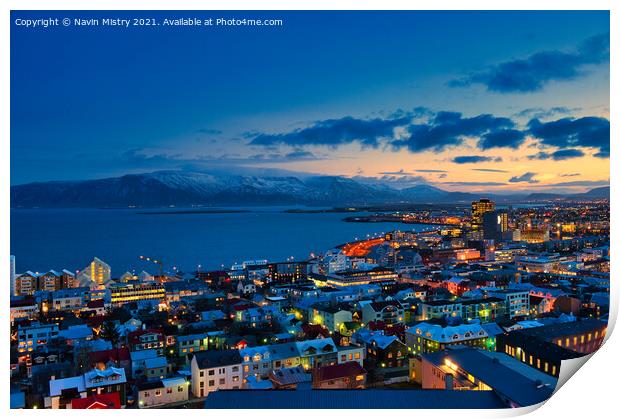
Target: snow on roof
column 449, row 334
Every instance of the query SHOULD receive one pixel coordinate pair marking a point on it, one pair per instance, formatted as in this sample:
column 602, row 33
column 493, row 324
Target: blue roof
column 352, row 399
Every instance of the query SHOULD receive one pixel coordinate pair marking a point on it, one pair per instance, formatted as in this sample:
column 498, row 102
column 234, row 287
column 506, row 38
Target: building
column 140, row 340
column 49, row 281
column 517, row 301
column 428, row 337
column 361, row 277
column 290, row 378
column 260, row 361
column 123, row 293
column 492, row 224
column 95, row 382
column 216, row 370
column 389, row 312
column 35, row 337
column 382, row 351
column 317, row 352
column 484, row 309
column 162, row 392
column 97, row 401
column 26, row 283
column 439, row 309
column 350, row 375
column 517, row 385
column 478, row 209
column 95, row 275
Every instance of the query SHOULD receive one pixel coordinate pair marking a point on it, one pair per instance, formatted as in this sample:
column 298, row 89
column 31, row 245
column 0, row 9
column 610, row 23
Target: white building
column 163, row 392
column 216, row 370
column 96, row 274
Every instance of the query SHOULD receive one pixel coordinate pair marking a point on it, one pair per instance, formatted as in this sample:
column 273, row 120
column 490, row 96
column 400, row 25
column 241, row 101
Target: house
column 289, row 378
column 260, row 361
column 138, row 362
column 162, row 392
column 97, row 401
column 140, row 340
column 381, row 350
column 330, row 317
column 389, row 312
column 119, row 358
column 317, row 352
column 430, row 337
column 540, row 305
column 214, row 370
column 94, row 382
column 156, row 368
column 350, row 375
column 351, row 352
column 246, row 287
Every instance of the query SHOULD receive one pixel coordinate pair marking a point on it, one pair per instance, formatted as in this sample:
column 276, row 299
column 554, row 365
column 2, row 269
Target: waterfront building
column 95, row 275
column 123, row 293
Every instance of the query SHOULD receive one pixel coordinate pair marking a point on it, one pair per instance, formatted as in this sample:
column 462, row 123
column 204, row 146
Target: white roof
column 448, row 334
column 57, row 386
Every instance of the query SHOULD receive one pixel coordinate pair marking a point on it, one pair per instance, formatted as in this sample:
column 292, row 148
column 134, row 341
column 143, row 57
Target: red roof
column 313, row 331
column 95, row 304
column 333, row 372
column 134, row 337
column 98, row 401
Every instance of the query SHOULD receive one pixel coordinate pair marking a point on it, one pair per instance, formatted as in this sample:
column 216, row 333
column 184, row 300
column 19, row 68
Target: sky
column 468, row 101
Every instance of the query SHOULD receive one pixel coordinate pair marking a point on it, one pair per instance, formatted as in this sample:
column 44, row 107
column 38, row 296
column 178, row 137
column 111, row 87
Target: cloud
column 570, row 174
column 562, row 154
column 590, row 131
column 533, row 73
column 525, row 177
column 591, row 183
column 443, row 176
column 209, row 131
column 510, row 138
column 542, row 113
column 398, row 182
column 447, row 129
column 400, row 172
column 335, row 132
column 490, row 170
column 474, row 183
column 430, row 171
column 474, row 159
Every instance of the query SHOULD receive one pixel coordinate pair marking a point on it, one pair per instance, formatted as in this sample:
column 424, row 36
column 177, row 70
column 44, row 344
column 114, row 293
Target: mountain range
column 178, row 188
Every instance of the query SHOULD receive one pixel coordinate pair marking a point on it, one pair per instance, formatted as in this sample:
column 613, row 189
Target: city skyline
column 523, row 110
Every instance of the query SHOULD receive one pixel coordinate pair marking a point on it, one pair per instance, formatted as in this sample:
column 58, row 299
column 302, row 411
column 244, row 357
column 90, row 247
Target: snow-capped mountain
column 180, row 188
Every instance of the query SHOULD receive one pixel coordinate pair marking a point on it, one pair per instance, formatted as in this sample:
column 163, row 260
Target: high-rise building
column 503, row 221
column 478, row 209
column 12, row 271
column 494, row 224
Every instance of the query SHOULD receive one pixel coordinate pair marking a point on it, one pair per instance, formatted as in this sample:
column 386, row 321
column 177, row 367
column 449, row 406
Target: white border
column 592, row 394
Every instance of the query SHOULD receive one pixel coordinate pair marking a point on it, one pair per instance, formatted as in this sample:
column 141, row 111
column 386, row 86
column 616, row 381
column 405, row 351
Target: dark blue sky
column 94, row 102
